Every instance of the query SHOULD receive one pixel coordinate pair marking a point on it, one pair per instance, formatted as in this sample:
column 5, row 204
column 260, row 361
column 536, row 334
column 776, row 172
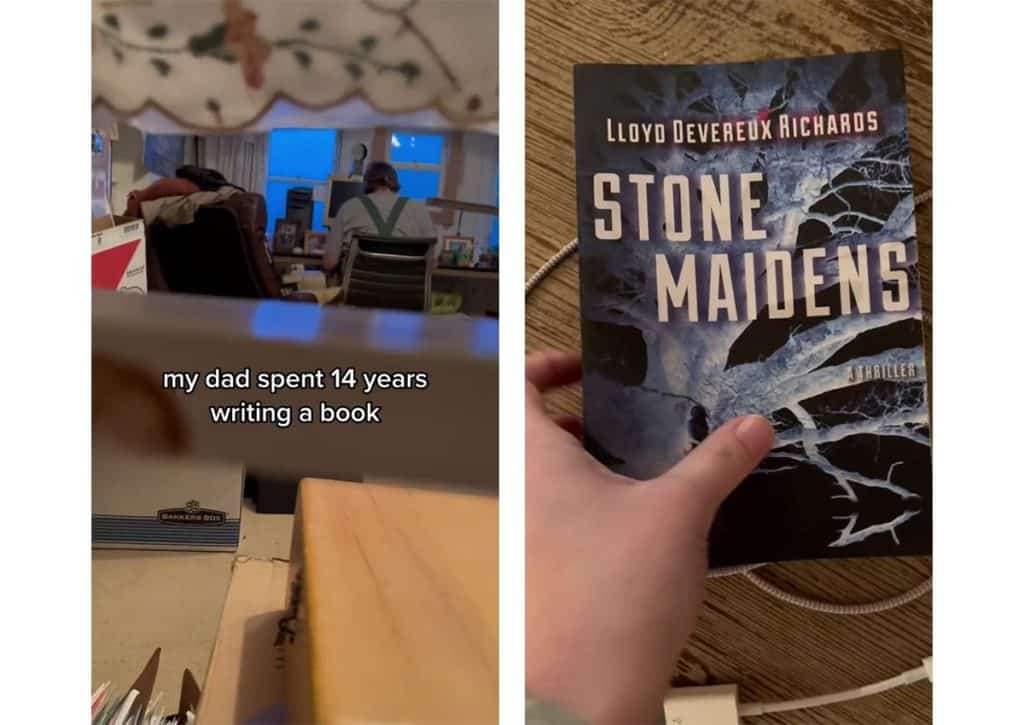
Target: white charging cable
column 545, row 269
column 720, row 705
column 923, row 672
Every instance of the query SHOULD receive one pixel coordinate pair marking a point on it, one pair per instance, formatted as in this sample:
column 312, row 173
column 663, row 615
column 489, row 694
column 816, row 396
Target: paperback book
column 748, row 245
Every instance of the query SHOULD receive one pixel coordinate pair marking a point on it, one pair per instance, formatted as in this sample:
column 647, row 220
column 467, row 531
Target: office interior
column 302, row 176
column 153, row 593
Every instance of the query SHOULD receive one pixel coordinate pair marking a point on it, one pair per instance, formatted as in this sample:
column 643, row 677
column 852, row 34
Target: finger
column 552, row 369
column 572, row 425
column 713, row 469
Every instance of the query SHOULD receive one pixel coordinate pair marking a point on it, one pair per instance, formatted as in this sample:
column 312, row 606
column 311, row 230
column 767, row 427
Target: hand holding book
column 615, row 568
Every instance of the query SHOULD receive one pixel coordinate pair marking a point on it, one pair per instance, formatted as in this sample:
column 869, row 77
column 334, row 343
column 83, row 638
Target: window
column 299, row 157
column 418, row 158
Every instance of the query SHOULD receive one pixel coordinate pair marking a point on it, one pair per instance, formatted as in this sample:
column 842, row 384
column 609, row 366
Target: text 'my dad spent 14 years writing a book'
column 747, row 245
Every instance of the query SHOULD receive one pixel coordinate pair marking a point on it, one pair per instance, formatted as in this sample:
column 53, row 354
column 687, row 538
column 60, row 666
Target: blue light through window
column 306, row 153
column 417, row 148
column 299, row 157
column 417, row 157
column 418, row 184
column 485, row 338
column 277, row 320
column 395, row 330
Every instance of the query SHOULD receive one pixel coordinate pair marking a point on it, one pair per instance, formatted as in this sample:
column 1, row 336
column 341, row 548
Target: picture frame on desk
column 315, row 243
column 288, row 236
column 459, row 249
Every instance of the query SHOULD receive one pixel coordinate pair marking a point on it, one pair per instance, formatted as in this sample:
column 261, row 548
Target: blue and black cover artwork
column 748, row 245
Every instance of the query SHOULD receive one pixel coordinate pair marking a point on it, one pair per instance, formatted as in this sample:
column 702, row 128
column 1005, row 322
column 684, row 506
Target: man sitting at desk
column 380, row 212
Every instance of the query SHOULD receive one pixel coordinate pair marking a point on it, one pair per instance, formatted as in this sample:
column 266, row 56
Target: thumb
column 713, row 469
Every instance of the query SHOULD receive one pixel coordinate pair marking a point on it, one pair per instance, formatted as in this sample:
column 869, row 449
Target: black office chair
column 221, row 253
column 388, row 272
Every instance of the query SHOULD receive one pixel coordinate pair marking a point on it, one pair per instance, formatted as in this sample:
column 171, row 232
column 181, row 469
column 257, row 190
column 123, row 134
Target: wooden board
column 772, row 650
column 399, row 621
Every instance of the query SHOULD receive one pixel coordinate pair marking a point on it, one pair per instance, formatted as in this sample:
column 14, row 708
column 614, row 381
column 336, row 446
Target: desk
column 478, row 287
column 306, row 280
column 399, row 614
column 774, row 651
column 285, row 261
column 466, row 273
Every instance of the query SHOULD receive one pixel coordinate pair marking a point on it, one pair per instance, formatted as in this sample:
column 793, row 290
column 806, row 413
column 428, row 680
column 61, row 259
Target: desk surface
column 402, row 602
column 774, row 651
column 465, row 272
column 298, row 255
column 281, row 260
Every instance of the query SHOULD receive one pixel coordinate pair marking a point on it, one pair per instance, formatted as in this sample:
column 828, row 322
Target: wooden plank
column 400, row 605
column 772, row 650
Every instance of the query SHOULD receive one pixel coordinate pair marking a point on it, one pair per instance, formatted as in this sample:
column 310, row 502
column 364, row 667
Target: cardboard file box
column 245, row 679
column 119, row 254
column 160, row 503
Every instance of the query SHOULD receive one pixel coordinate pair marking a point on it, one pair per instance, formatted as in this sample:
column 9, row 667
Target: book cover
column 747, row 245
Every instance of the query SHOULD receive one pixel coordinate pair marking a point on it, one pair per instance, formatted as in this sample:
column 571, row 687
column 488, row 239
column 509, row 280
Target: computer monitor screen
column 337, row 194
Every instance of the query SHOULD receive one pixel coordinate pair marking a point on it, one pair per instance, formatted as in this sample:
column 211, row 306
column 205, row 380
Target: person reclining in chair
column 380, row 212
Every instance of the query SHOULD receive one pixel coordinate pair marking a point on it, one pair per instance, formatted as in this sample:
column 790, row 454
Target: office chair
column 388, row 272
column 221, row 253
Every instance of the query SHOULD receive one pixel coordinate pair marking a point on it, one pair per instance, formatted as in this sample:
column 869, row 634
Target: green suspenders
column 384, row 228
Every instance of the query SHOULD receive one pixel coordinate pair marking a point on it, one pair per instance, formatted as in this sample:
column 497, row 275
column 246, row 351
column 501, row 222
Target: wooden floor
column 772, row 650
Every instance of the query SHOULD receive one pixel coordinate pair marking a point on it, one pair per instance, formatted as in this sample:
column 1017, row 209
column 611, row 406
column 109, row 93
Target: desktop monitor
column 298, row 206
column 338, row 192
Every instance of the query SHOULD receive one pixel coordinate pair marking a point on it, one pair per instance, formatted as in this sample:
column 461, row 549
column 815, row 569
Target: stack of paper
column 138, row 707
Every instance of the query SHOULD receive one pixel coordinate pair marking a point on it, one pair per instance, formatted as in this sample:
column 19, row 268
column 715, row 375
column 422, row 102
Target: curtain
column 241, row 158
column 235, row 66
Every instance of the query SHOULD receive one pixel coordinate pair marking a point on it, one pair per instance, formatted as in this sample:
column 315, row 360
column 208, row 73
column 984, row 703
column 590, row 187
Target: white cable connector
column 718, row 705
